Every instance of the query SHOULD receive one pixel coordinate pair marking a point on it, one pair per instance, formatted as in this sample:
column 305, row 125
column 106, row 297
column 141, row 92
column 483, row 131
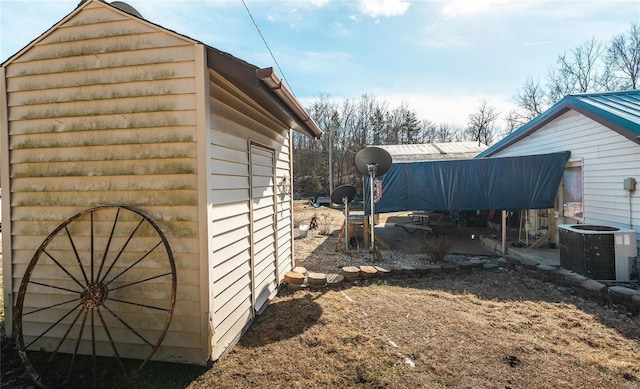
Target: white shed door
column 263, row 225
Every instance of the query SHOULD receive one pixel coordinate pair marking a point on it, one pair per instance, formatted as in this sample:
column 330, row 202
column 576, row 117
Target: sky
column 439, row 58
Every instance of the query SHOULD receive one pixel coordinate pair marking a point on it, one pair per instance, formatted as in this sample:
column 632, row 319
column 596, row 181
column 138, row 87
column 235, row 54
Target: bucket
column 303, row 228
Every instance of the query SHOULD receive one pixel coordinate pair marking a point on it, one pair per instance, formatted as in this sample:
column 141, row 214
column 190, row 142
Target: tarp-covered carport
column 522, row 182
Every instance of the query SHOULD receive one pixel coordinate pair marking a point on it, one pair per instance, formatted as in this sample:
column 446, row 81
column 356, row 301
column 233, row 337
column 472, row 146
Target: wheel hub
column 94, row 295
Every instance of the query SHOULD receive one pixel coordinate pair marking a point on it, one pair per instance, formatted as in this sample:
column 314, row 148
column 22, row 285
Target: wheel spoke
column 75, row 251
column 53, row 286
column 75, row 350
column 50, row 306
column 93, row 348
column 106, row 249
column 127, row 325
column 51, row 327
column 122, row 250
column 139, row 305
column 92, row 246
column 139, row 282
column 55, row 351
column 113, row 344
column 135, row 263
column 63, row 269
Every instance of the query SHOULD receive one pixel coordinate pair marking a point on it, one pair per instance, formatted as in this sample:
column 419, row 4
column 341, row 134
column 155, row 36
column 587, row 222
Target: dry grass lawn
column 488, row 329
column 474, row 330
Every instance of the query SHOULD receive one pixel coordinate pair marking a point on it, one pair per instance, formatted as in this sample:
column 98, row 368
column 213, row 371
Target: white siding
column 607, row 159
column 237, row 122
column 102, row 110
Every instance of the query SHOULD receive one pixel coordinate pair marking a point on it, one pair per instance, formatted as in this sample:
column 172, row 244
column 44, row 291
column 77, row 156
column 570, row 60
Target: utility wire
column 267, row 46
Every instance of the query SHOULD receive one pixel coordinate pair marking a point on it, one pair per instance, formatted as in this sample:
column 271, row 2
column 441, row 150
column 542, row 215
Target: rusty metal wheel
column 99, row 291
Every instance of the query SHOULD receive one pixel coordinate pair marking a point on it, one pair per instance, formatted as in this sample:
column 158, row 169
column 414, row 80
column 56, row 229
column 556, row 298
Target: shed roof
column 434, row 151
column 261, row 85
column 619, row 111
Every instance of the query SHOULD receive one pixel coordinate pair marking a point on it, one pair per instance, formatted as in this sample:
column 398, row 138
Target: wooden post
column 504, row 232
column 365, row 231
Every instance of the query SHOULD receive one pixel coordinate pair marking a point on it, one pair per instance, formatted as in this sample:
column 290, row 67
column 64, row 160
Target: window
column 573, row 193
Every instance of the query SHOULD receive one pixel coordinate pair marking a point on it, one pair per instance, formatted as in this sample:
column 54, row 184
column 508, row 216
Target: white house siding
column 607, row 159
column 102, row 111
column 238, row 125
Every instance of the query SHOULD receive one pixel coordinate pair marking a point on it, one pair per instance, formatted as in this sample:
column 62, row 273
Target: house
column 126, row 144
column 602, row 132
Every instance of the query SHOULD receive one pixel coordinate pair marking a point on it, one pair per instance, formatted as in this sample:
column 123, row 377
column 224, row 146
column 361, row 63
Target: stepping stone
column 316, row 279
column 334, row 280
column 294, row 278
column 300, row 269
column 382, row 272
column 368, row 271
column 296, row 286
column 351, row 273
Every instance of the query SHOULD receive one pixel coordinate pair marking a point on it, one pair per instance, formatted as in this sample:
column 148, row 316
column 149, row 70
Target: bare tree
column 514, row 120
column 623, row 59
column 531, row 99
column 577, row 71
column 481, row 126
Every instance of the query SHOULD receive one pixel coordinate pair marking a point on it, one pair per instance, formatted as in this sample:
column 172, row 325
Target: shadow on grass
column 282, row 320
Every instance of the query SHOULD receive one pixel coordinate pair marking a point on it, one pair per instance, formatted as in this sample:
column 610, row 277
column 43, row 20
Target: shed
column 602, row 132
column 138, row 163
column 434, row 151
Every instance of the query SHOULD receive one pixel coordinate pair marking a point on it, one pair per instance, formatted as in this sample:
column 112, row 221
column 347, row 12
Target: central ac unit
column 598, row 252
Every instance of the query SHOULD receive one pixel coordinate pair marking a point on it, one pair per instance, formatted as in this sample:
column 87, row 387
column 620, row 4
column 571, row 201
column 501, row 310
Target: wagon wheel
column 97, row 295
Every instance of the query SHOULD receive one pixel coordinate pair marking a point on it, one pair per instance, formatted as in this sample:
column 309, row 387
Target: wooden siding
column 607, row 159
column 102, row 111
column 236, row 122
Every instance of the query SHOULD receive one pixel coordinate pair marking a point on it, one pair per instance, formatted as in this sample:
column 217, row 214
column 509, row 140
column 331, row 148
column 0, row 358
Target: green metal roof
column 619, row 111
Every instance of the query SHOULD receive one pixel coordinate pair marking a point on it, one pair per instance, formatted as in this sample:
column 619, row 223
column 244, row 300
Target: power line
column 267, row 46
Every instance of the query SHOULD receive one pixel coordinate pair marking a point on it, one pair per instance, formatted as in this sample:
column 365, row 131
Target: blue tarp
column 523, row 182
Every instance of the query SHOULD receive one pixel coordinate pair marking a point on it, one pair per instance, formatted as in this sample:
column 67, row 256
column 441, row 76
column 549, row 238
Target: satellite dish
column 374, row 160
column 342, row 192
column 344, row 195
column 122, row 6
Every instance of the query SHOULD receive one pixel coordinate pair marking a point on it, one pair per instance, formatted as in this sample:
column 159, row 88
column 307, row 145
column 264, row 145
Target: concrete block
column 529, row 264
column 621, row 294
column 575, row 279
column 594, row 288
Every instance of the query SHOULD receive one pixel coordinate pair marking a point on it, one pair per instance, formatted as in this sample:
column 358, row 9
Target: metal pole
column 330, row 163
column 346, row 223
column 373, row 235
column 504, row 232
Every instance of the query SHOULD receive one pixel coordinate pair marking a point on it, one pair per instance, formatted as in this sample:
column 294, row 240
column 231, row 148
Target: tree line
column 352, row 124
